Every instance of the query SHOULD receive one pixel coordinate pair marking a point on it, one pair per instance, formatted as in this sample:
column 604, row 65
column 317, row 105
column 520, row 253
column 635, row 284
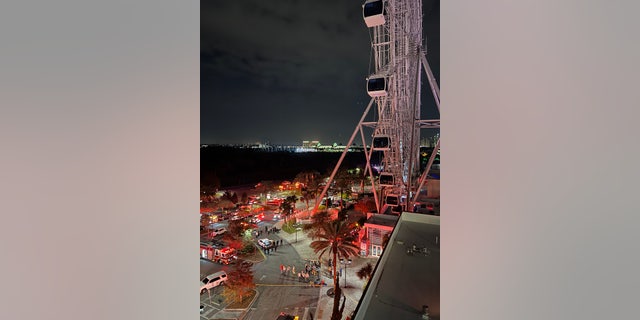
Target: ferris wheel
column 398, row 59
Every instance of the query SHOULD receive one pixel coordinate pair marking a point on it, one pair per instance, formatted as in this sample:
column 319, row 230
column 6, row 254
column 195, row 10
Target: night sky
column 284, row 71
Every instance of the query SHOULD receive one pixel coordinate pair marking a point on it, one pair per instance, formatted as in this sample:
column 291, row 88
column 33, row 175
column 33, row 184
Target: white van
column 212, row 281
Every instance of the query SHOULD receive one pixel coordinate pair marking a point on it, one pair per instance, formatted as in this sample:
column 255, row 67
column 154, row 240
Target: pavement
column 354, row 285
column 301, row 244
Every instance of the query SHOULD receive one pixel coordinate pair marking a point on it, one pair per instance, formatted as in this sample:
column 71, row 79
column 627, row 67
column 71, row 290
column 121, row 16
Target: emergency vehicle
column 225, row 255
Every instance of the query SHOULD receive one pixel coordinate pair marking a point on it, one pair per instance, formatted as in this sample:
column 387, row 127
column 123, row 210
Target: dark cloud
column 283, row 71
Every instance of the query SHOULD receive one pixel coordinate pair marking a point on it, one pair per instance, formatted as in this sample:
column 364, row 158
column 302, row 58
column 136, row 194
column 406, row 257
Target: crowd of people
column 303, row 275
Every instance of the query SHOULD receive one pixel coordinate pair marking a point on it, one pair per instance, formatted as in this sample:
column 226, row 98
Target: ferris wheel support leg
column 368, row 169
column 415, row 129
column 423, row 178
column 344, row 153
column 432, row 80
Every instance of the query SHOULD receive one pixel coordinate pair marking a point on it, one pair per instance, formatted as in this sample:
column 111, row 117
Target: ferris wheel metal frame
column 399, row 58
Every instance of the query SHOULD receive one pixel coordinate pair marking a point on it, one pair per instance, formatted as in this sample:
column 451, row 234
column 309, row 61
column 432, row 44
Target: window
column 376, row 251
column 372, row 8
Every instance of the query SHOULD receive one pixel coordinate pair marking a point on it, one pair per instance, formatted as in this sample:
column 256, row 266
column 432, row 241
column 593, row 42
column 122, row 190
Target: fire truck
column 225, row 255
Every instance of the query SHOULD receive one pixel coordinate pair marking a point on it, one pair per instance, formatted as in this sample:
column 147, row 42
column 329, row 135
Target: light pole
column 297, row 229
column 345, row 263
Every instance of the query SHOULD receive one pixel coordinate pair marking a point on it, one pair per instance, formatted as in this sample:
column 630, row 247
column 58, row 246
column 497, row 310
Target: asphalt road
column 276, row 293
column 281, row 293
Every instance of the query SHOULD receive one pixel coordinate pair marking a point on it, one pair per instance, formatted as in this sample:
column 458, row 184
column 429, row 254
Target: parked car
column 218, row 231
column 212, row 281
column 254, row 220
column 265, row 243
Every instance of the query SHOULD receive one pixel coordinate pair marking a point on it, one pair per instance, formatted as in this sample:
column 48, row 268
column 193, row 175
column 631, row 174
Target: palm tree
column 306, row 196
column 318, row 220
column 343, row 181
column 336, row 239
column 309, row 180
column 288, row 206
column 365, row 272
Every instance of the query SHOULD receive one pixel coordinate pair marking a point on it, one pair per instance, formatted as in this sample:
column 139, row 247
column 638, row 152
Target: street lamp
column 297, row 229
column 345, row 263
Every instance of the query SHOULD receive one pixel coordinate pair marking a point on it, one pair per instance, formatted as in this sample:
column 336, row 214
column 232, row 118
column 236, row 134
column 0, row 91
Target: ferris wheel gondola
column 373, row 13
column 377, row 86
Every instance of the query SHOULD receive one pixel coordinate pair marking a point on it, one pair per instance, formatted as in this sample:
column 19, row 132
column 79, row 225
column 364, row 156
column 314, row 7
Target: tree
column 235, row 229
column 308, row 179
column 336, row 239
column 343, row 214
column 292, row 199
column 233, row 242
column 385, row 239
column 311, row 185
column 365, row 272
column 343, row 181
column 239, row 282
column 244, row 198
column 318, row 220
column 365, row 205
column 234, row 198
column 307, row 195
column 285, row 208
column 288, row 206
column 225, row 204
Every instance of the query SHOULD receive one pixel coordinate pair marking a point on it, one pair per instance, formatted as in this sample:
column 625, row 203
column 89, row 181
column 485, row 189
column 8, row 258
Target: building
column 406, row 279
column 376, row 227
column 310, row 144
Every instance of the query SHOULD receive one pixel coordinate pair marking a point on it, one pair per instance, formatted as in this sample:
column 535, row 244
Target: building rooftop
column 406, row 278
column 382, row 220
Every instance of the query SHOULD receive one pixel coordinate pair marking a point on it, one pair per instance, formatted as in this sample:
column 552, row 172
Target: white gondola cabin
column 386, row 179
column 392, row 200
column 377, row 87
column 373, row 13
column 381, row 143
